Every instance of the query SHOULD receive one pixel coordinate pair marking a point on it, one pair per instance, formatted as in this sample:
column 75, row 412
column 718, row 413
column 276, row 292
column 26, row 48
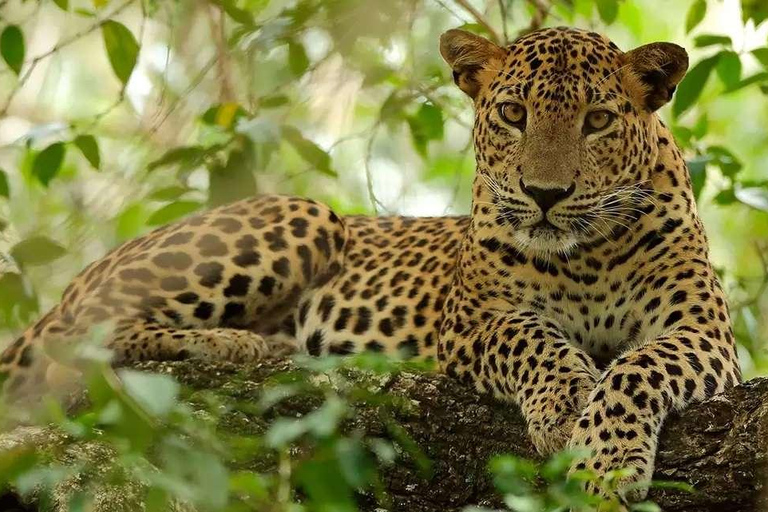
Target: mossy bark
column 719, row 446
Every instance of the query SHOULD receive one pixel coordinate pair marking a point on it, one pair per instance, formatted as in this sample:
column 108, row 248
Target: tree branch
column 719, row 446
column 480, row 19
column 61, row 44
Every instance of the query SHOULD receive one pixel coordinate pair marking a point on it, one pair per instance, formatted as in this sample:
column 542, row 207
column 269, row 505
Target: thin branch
column 449, row 10
column 457, row 173
column 368, row 174
column 61, row 44
column 762, row 288
column 503, row 12
column 219, row 37
column 192, row 86
column 541, row 11
column 480, row 19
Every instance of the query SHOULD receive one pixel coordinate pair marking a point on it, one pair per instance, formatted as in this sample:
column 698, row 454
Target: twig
column 219, row 37
column 457, row 172
column 167, row 64
column 480, row 19
column 762, row 288
column 192, row 86
column 451, row 11
column 61, row 44
column 540, row 14
column 368, row 175
column 503, row 12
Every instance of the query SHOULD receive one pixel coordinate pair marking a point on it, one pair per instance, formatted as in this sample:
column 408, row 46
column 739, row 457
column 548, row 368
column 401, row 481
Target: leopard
column 578, row 288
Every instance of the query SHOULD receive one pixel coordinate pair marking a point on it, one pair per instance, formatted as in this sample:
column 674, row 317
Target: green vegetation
column 120, row 116
column 143, row 440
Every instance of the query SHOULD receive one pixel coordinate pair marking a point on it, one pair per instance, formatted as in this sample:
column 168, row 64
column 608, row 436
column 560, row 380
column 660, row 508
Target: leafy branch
column 30, row 67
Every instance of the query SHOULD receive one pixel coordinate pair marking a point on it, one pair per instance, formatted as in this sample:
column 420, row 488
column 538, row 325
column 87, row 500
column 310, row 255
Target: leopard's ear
column 655, row 70
column 469, row 56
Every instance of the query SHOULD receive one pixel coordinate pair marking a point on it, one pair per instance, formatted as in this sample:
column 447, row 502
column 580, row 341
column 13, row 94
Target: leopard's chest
column 597, row 310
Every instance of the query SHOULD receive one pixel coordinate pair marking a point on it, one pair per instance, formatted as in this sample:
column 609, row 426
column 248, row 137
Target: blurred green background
column 119, row 116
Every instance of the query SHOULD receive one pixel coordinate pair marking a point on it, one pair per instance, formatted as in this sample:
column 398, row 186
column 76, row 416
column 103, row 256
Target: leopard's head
column 565, row 131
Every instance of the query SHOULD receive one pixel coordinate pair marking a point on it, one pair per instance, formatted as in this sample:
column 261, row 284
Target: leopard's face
column 564, row 136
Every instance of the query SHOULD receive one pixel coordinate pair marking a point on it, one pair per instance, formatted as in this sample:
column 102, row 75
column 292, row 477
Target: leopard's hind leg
column 208, row 287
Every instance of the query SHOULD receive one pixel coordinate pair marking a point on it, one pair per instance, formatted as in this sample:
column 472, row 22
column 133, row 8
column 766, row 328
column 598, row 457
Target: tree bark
column 719, row 446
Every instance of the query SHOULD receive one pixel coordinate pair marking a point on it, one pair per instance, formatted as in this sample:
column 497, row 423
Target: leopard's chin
column 536, row 239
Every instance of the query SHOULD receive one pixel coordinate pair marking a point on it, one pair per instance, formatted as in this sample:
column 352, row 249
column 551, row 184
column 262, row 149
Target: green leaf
column 705, row 40
column 173, row 211
column 17, row 299
column 393, row 107
column 761, row 54
column 695, row 14
column 48, row 162
column 224, row 115
column 376, row 74
column 155, row 393
column 130, row 221
column 756, row 10
column 276, row 100
column 729, row 68
column 63, row 4
column 12, row 47
column 190, row 156
column 235, row 178
column 726, row 197
column 249, row 484
column 4, row 188
column 697, row 169
column 308, row 150
column 37, row 250
column 298, row 62
column 722, row 157
column 321, row 423
column 168, row 193
column 89, row 148
column 355, row 463
column 754, row 79
column 233, row 11
column 426, row 125
column 645, row 506
column 700, row 129
column 319, row 481
column 692, row 85
column 608, row 9
column 122, row 49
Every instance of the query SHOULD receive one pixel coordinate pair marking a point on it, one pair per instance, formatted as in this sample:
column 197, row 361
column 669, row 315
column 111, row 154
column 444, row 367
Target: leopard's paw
column 551, row 435
column 233, row 345
column 620, row 468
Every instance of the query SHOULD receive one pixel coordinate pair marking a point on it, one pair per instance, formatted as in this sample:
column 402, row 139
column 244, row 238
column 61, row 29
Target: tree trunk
column 719, row 446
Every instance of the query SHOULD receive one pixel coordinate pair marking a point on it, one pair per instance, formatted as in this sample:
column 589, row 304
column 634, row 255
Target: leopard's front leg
column 621, row 423
column 526, row 358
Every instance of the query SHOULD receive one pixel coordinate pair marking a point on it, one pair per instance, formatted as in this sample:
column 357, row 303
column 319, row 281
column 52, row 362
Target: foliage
column 174, row 451
column 169, row 447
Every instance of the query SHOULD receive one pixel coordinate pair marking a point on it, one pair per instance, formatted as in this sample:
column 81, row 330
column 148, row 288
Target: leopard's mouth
column 545, row 228
column 545, row 237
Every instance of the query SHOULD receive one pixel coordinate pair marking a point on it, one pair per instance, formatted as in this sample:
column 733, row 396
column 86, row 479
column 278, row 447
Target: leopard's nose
column 546, row 198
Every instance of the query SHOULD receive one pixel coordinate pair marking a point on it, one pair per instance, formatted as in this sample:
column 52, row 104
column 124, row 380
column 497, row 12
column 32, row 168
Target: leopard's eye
column 514, row 114
column 597, row 120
